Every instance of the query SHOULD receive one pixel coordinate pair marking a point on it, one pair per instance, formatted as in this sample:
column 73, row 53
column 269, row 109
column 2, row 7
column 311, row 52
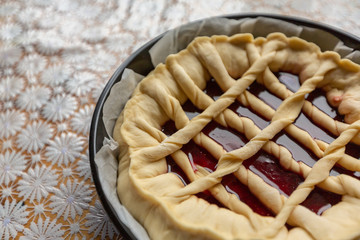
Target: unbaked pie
column 243, row 138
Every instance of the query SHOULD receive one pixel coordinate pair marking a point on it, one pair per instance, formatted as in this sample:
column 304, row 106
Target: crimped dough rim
column 167, row 209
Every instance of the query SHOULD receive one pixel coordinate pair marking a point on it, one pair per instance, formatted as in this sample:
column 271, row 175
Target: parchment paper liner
column 172, row 42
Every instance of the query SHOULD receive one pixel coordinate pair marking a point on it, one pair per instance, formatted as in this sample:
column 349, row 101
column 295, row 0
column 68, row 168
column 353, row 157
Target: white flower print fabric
column 55, row 59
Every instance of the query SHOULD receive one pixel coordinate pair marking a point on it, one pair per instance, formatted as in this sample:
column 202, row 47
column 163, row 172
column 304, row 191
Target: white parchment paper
column 172, row 42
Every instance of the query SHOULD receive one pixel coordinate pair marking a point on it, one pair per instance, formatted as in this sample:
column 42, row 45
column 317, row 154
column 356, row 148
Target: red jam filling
column 263, row 164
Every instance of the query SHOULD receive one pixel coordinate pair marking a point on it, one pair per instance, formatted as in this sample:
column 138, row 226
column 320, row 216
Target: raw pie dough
column 169, row 210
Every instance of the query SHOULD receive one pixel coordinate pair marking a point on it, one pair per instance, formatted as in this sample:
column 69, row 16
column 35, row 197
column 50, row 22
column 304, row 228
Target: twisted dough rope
column 336, row 184
column 184, row 135
column 317, row 146
column 318, row 173
column 153, row 156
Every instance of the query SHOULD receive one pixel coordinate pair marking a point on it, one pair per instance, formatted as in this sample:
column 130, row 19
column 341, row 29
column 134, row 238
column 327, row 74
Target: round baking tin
column 140, row 62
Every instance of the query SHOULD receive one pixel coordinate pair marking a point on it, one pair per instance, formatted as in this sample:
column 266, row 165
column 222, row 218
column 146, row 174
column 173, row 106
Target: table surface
column 55, row 59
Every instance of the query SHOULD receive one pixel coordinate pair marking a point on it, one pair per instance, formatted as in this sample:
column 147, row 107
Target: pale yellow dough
column 169, row 210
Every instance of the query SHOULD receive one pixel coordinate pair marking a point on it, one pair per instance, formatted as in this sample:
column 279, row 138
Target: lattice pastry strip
column 182, row 83
column 159, row 94
column 202, row 100
column 336, row 184
column 316, row 145
column 319, row 117
column 142, row 168
column 283, row 117
column 316, row 115
column 188, row 86
column 214, row 148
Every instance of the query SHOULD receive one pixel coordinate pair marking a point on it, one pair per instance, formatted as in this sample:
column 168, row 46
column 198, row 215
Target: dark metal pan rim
column 140, row 62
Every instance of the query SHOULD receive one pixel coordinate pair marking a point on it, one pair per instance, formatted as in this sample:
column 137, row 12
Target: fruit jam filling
column 263, row 164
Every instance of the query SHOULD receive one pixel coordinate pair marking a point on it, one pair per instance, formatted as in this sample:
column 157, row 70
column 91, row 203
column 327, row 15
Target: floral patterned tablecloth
column 55, row 59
